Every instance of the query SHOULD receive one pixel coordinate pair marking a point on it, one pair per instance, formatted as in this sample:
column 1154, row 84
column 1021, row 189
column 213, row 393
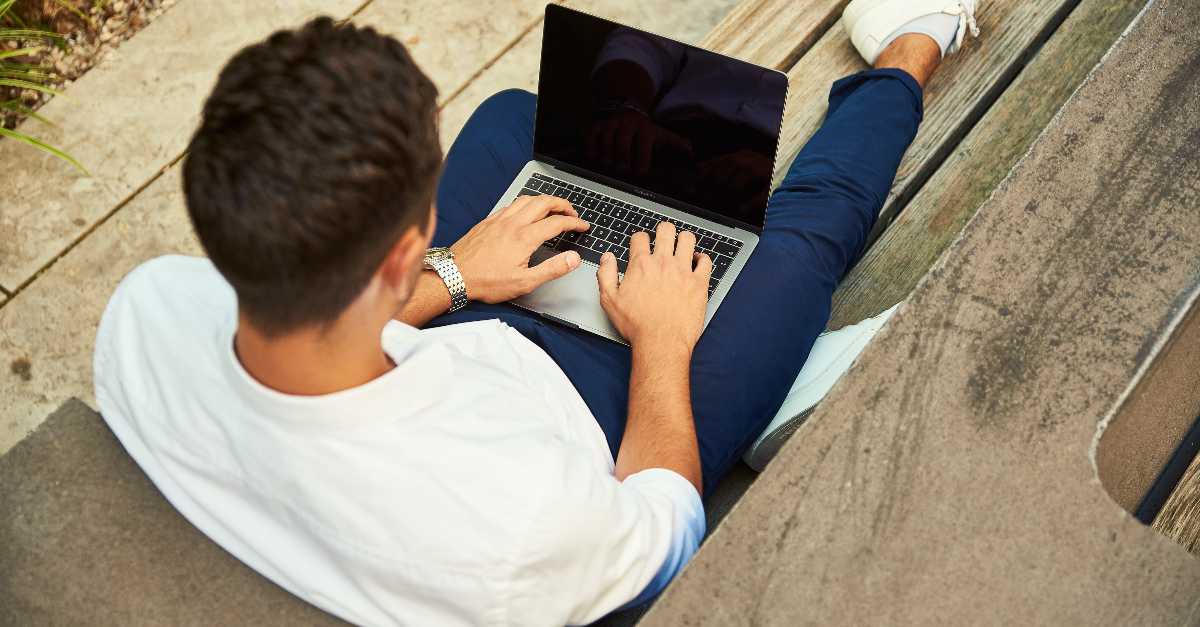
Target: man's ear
column 404, row 261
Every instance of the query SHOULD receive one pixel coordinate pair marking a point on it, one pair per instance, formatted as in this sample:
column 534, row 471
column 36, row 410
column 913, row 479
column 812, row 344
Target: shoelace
column 966, row 21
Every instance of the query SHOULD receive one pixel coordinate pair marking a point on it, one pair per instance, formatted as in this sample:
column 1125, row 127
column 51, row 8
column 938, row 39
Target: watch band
column 448, row 270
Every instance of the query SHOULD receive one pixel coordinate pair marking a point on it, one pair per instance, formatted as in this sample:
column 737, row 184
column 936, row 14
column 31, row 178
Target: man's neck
column 312, row 362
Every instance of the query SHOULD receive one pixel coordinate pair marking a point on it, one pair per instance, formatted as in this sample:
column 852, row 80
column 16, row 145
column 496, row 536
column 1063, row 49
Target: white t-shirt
column 468, row 485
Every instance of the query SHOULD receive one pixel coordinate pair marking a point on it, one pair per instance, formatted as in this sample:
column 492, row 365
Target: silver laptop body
column 610, row 203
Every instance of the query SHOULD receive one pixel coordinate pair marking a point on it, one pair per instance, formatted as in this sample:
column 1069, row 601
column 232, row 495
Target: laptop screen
column 677, row 121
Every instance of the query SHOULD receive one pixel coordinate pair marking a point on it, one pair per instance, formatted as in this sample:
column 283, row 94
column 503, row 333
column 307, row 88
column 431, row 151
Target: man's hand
column 662, row 298
column 493, row 257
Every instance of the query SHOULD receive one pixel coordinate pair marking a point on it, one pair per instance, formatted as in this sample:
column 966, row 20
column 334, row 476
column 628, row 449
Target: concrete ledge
column 948, row 478
column 86, row 539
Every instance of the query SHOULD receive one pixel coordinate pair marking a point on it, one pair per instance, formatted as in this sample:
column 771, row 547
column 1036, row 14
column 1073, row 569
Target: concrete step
column 86, row 539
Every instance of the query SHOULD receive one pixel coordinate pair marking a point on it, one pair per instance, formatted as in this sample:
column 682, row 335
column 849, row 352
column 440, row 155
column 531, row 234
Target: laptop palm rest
column 573, row 297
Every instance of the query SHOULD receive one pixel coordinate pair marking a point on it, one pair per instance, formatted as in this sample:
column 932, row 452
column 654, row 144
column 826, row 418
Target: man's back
column 445, row 491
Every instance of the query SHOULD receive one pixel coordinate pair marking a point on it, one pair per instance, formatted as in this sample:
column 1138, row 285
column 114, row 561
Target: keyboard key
column 575, row 198
column 587, row 241
column 588, row 255
column 572, row 236
column 529, row 192
column 604, row 207
column 615, row 237
column 601, row 246
column 648, row 223
column 589, row 216
column 720, row 265
column 590, row 202
column 619, row 212
column 599, row 232
column 726, row 248
column 604, row 220
column 547, row 187
column 706, row 243
column 561, row 192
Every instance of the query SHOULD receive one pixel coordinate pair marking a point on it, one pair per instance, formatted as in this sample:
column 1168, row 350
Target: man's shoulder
column 169, row 284
column 161, row 304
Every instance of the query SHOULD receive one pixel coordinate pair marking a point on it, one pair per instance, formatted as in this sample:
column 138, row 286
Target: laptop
column 633, row 129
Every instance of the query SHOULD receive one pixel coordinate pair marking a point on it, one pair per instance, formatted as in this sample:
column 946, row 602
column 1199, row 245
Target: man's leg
column 491, row 149
column 817, row 224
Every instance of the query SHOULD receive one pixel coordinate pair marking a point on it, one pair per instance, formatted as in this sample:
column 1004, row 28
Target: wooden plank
column 900, row 258
column 956, row 98
column 773, row 33
column 1180, row 516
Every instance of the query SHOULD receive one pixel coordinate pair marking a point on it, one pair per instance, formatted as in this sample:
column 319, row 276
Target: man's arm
column 659, row 307
column 493, row 257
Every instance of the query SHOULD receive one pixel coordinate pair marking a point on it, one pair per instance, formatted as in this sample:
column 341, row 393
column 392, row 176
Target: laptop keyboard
column 614, row 222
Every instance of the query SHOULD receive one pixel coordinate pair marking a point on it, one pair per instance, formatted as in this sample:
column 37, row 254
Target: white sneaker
column 831, row 356
column 872, row 24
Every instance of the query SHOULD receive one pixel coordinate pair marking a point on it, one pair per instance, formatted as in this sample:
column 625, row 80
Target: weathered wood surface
column 957, row 96
column 773, row 33
column 1180, row 516
column 933, row 219
column 947, row 478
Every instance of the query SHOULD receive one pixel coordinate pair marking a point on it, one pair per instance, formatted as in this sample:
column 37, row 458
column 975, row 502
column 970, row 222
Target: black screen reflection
column 670, row 118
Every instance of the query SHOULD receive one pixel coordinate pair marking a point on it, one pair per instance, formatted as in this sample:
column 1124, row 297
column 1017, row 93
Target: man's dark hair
column 317, row 149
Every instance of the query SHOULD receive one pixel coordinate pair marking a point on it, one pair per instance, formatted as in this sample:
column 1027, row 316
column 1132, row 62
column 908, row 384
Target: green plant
column 19, row 75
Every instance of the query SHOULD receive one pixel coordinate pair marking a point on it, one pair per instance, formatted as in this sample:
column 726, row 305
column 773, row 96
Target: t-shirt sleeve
column 595, row 544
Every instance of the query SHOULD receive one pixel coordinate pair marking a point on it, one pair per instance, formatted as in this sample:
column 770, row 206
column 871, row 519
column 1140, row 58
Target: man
column 493, row 467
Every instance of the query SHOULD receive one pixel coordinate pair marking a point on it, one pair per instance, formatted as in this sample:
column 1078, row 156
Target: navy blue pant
column 817, row 225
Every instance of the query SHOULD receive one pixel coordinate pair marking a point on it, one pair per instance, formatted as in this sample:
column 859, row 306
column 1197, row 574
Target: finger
column 685, row 247
column 541, row 206
column 553, row 268
column 704, row 266
column 606, row 277
column 664, row 238
column 516, row 205
column 551, row 226
column 639, row 244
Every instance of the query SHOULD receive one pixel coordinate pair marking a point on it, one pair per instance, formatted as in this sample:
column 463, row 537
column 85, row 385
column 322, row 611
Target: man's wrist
column 663, row 346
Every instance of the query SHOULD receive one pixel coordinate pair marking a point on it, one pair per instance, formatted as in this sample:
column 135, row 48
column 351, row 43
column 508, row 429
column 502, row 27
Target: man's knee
column 504, row 105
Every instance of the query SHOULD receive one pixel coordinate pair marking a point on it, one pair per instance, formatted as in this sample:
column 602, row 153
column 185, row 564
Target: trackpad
column 574, row 298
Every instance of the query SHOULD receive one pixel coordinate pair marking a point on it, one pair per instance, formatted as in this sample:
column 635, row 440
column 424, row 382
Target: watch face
column 436, row 254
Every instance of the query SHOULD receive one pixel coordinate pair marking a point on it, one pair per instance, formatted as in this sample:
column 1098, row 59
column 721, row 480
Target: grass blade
column 21, row 137
column 12, row 82
column 19, row 107
column 20, row 51
column 24, row 33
